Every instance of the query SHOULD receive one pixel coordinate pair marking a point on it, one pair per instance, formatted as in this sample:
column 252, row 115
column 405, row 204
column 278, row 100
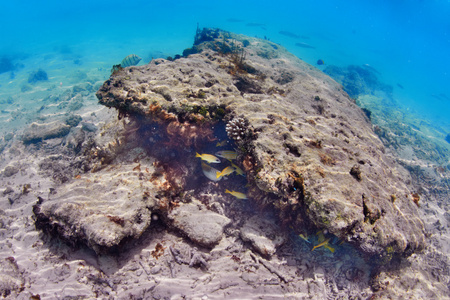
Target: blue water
column 407, row 42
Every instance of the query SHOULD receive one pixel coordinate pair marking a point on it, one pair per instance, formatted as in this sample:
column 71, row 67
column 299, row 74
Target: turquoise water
column 407, row 42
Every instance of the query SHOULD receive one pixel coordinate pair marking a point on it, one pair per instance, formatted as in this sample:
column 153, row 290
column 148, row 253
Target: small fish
column 238, row 170
column 210, row 172
column 208, row 158
column 303, row 237
column 237, row 194
column 227, row 154
column 221, row 144
column 320, row 245
column 400, row 86
column 130, row 60
column 304, row 45
column 327, row 246
column 289, row 34
column 227, row 171
column 320, row 62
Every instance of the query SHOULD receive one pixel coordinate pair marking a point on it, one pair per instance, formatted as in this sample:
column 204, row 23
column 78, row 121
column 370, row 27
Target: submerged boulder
column 199, row 224
column 38, row 132
column 36, row 76
column 101, row 210
column 307, row 149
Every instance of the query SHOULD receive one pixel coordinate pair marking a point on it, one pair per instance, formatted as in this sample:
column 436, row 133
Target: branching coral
column 237, row 128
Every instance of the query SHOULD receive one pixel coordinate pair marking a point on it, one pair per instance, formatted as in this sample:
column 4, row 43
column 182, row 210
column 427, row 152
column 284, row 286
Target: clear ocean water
column 407, row 42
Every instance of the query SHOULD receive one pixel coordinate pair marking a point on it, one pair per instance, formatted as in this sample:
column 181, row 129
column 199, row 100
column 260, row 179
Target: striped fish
column 130, row 60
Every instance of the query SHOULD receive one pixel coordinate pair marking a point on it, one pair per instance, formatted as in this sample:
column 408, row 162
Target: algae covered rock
column 307, row 149
column 101, row 210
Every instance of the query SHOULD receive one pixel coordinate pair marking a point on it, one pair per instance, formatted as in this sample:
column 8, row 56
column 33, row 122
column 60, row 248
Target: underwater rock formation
column 6, row 64
column 38, row 132
column 39, row 75
column 263, row 234
column 358, row 80
column 201, row 225
column 11, row 278
column 308, row 150
column 101, row 214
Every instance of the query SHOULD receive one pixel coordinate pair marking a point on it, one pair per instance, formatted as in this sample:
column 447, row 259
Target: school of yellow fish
column 321, row 240
column 216, row 175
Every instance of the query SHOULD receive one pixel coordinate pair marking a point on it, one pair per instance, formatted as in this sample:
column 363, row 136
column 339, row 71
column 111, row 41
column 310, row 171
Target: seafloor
column 331, row 197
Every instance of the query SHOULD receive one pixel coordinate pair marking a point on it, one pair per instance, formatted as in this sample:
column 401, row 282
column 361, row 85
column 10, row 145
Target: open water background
column 407, row 42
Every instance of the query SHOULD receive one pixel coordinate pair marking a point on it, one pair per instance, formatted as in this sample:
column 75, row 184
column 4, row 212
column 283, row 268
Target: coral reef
column 237, row 129
column 359, row 80
column 314, row 195
column 309, row 142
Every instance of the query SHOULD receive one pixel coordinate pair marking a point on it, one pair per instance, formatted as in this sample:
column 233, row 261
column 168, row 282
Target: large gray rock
column 263, row 234
column 308, row 150
column 100, row 209
column 39, row 132
column 199, row 224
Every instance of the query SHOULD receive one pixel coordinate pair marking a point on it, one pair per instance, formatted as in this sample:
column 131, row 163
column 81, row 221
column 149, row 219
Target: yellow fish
column 221, row 144
column 237, row 194
column 327, row 246
column 227, row 154
column 320, row 236
column 210, row 172
column 320, row 245
column 305, row 238
column 208, row 158
column 227, row 171
column 238, row 170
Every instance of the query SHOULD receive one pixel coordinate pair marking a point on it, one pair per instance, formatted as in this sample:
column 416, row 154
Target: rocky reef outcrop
column 307, row 150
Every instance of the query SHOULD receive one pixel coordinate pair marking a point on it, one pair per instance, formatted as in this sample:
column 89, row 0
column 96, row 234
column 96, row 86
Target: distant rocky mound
column 359, row 80
column 307, row 150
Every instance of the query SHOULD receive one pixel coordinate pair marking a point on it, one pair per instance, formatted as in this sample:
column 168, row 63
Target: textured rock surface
column 263, row 234
column 100, row 209
column 38, row 132
column 11, row 278
column 163, row 265
column 201, row 225
column 308, row 150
